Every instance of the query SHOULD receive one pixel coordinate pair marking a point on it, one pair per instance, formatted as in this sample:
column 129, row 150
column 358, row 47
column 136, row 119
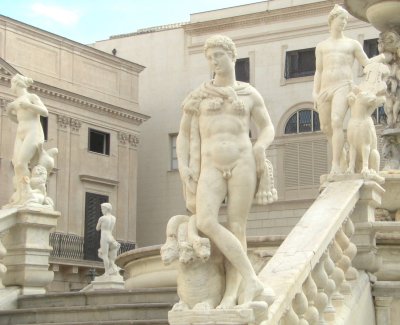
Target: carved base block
column 212, row 317
column 28, row 250
column 106, row 282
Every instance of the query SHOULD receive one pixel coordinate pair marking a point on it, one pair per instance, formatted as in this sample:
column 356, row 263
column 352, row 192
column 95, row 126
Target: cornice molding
column 67, row 44
column 98, row 180
column 86, row 103
column 259, row 18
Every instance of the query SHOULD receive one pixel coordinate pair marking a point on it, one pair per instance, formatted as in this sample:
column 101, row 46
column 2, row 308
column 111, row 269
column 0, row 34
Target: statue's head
column 223, row 42
column 106, row 207
column 389, row 41
column 336, row 12
column 20, row 81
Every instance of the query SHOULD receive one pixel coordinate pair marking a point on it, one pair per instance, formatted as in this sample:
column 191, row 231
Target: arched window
column 304, row 120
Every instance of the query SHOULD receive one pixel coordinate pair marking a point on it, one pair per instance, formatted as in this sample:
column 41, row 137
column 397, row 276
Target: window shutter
column 92, row 215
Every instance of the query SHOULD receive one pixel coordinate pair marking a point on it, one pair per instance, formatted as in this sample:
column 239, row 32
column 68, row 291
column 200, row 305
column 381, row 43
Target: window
column 371, row 47
column 379, row 115
column 91, row 242
column 174, row 158
column 304, row 120
column 300, row 63
column 242, row 70
column 99, row 142
column 44, row 120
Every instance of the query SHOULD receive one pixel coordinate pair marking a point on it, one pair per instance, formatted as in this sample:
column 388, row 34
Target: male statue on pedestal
column 108, row 245
column 217, row 160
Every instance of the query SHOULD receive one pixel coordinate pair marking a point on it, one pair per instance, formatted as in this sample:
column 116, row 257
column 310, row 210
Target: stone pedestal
column 106, row 282
column 212, row 317
column 28, row 250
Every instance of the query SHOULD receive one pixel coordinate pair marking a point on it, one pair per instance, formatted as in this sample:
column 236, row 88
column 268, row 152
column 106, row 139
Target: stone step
column 121, row 322
column 92, row 314
column 94, row 298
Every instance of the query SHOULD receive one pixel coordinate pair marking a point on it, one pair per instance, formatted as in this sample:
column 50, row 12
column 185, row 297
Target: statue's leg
column 241, row 188
column 338, row 112
column 211, row 191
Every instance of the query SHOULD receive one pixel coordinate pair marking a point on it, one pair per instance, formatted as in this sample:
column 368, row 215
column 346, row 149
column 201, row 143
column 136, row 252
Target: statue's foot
column 335, row 170
column 228, row 302
column 180, row 306
column 203, row 306
column 252, row 290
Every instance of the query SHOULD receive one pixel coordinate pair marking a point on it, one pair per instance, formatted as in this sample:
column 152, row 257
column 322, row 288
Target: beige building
column 275, row 41
column 94, row 121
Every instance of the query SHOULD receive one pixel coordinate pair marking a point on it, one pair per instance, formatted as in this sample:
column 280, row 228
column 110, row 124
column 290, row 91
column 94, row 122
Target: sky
column 87, row 21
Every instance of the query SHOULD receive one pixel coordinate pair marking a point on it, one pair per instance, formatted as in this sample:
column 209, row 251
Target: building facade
column 94, row 121
column 275, row 42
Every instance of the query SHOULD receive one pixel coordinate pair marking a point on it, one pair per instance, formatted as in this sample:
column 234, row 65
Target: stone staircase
column 139, row 307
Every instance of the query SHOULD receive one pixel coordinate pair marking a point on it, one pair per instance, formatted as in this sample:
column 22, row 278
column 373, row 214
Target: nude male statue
column 216, row 158
column 108, row 245
column 25, row 111
column 333, row 80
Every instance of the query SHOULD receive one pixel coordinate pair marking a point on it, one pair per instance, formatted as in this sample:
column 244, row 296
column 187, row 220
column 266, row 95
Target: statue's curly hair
column 221, row 41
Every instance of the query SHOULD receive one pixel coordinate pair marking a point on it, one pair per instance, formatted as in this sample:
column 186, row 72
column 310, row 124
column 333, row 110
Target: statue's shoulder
column 192, row 101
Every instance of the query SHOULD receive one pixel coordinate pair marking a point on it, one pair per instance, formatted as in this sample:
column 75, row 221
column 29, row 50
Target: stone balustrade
column 313, row 270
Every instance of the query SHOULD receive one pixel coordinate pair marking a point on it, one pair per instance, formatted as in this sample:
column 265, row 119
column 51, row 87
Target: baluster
column 350, row 251
column 290, row 317
column 300, row 306
column 310, row 290
column 3, row 268
column 320, row 278
column 335, row 253
column 330, row 286
column 344, row 263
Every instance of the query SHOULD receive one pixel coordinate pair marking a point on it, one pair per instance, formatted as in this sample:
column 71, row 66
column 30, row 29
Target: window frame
column 172, row 152
column 106, row 143
column 314, row 114
column 293, row 57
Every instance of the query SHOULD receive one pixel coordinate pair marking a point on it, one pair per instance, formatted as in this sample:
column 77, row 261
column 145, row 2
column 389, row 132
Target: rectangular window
column 174, row 158
column 371, row 47
column 242, row 69
column 300, row 63
column 99, row 142
column 91, row 242
column 44, row 120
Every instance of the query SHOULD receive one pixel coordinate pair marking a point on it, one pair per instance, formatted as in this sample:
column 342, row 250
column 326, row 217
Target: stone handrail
column 315, row 262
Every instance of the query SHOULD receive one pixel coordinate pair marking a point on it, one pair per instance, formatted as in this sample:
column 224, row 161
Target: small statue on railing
column 108, row 245
column 32, row 163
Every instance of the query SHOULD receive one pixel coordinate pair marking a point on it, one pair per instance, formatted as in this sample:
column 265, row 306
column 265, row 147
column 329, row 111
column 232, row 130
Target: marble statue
column 217, row 160
column 389, row 43
column 333, row 82
column 32, row 163
column 108, row 245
